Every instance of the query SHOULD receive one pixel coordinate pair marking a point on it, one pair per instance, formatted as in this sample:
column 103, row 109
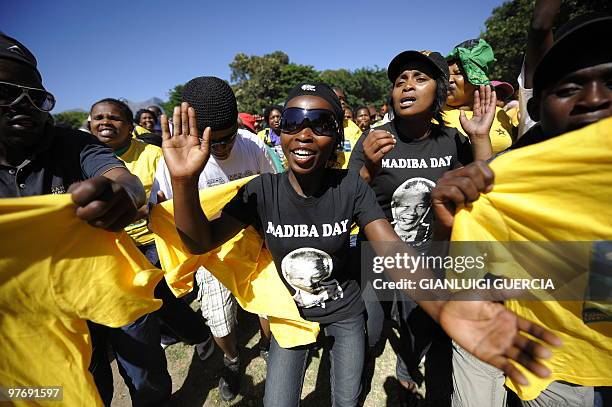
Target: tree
column 362, row 87
column 507, row 27
column 174, row 99
column 72, row 119
column 259, row 81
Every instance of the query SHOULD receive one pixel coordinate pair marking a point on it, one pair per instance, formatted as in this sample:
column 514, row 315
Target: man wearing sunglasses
column 37, row 158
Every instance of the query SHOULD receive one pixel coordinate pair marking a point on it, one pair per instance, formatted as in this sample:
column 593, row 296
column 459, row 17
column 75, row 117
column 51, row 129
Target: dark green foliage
column 506, row 31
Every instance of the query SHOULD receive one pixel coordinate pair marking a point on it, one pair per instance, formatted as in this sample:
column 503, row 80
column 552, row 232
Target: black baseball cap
column 322, row 90
column 578, row 44
column 12, row 49
column 401, row 60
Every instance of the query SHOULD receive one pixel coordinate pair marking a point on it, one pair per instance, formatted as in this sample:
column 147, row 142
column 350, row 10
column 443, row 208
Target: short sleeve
column 357, row 158
column 243, row 206
column 161, row 182
column 95, row 158
column 265, row 161
column 464, row 151
column 366, row 206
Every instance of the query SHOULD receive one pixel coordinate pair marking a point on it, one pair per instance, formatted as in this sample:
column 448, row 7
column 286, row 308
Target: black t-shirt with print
column 308, row 237
column 63, row 157
column 409, row 173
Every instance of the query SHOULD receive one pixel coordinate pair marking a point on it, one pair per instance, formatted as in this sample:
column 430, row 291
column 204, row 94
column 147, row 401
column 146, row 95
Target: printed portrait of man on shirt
column 410, row 207
column 306, row 270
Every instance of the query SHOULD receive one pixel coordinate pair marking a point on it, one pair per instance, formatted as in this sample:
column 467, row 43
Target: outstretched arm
column 486, row 329
column 186, row 156
column 109, row 201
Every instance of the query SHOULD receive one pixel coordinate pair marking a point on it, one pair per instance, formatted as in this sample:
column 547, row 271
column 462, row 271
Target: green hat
column 476, row 57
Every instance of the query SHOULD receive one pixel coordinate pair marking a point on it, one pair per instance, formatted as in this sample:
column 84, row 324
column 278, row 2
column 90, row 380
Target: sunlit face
column 147, row 120
column 21, row 124
column 110, row 126
column 274, row 120
column 410, row 209
column 460, row 91
column 362, row 119
column 579, row 99
column 305, row 150
column 414, row 91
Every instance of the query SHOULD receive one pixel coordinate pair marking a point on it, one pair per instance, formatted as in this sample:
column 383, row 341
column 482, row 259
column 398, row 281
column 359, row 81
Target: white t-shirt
column 248, row 157
column 525, row 121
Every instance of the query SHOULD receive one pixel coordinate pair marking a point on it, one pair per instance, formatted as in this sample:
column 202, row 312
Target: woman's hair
column 360, row 108
column 440, row 100
column 268, row 111
column 143, row 111
column 125, row 109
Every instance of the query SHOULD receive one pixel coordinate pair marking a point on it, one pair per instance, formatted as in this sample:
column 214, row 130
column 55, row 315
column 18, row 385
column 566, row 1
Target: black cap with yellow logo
column 401, row 61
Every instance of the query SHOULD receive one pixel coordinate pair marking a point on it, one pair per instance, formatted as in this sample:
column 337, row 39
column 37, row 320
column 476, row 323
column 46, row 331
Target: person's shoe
column 229, row 383
column 167, row 340
column 205, row 349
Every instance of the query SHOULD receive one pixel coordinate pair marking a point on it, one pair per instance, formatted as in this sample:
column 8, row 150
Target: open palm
column 185, row 153
column 495, row 335
column 483, row 113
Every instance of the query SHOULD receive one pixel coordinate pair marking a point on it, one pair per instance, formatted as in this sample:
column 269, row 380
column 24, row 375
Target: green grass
column 194, row 383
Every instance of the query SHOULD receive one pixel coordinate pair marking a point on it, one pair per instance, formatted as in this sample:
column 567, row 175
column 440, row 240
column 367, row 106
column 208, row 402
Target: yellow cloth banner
column 557, row 190
column 242, row 264
column 56, row 272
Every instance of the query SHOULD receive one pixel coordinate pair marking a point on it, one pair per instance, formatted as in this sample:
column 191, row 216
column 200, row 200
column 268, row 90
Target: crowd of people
column 318, row 181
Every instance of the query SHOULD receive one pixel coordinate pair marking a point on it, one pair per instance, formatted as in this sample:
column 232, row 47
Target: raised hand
column 375, row 146
column 495, row 335
column 479, row 125
column 185, row 153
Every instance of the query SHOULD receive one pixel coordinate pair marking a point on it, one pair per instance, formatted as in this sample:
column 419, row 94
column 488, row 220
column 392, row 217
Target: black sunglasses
column 321, row 121
column 11, row 94
column 224, row 141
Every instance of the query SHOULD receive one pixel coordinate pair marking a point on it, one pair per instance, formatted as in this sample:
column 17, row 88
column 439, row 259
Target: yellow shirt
column 56, row 271
column 242, row 264
column 141, row 160
column 138, row 130
column 501, row 129
column 557, row 190
column 352, row 132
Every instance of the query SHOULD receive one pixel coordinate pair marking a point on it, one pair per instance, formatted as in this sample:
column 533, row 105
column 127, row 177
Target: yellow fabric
column 556, row 190
column 242, row 264
column 138, row 130
column 501, row 129
column 141, row 160
column 513, row 114
column 56, row 271
column 352, row 132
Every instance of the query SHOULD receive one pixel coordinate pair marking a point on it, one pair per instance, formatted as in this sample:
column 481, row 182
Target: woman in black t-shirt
column 402, row 160
column 305, row 216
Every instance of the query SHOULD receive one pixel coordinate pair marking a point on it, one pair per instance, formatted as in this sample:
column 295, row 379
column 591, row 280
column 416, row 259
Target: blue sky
column 139, row 49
